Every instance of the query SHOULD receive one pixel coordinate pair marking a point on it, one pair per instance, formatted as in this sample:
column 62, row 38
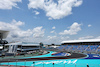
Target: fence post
column 25, row 63
column 87, row 65
column 75, row 64
column 43, row 64
column 8, row 62
column 16, row 63
column 33, row 64
column 53, row 64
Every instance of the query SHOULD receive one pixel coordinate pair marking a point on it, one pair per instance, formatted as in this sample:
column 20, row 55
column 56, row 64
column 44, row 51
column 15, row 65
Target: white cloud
column 16, row 33
column 52, row 31
column 38, row 32
column 86, row 37
column 64, row 38
column 14, row 28
column 73, row 29
column 97, row 37
column 50, row 18
column 55, row 10
column 37, row 13
column 79, row 2
column 51, row 37
column 8, row 4
column 17, row 23
column 53, row 27
column 89, row 25
column 56, row 39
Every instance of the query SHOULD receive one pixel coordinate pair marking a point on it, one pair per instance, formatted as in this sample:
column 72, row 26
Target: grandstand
column 81, row 46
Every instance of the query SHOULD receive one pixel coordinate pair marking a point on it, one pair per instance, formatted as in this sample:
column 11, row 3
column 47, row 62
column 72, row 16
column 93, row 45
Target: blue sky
column 50, row 21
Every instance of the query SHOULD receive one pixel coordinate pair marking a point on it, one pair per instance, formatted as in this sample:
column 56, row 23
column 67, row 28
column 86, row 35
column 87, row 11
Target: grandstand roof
column 3, row 34
column 79, row 41
column 54, row 46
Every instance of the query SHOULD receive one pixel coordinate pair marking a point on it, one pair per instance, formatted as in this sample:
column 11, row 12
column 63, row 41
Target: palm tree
column 41, row 44
column 52, row 44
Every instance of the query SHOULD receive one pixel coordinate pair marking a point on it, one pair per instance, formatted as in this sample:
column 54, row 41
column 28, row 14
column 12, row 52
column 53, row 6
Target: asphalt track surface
column 73, row 56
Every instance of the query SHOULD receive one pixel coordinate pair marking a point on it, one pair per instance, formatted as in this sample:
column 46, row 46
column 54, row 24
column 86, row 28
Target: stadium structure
column 16, row 48
column 84, row 46
column 72, row 53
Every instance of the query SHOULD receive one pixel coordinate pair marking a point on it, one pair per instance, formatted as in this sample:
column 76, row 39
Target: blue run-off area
column 93, row 60
column 93, row 56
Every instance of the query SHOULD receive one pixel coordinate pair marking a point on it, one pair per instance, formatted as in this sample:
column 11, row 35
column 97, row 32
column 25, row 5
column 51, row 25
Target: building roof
column 3, row 34
column 30, row 49
column 23, row 44
column 16, row 43
column 79, row 41
column 30, row 45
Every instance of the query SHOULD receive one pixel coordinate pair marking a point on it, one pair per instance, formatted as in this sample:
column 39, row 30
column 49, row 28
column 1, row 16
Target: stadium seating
column 80, row 48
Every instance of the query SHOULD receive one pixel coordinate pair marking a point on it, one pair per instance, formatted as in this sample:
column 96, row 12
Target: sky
column 50, row 21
